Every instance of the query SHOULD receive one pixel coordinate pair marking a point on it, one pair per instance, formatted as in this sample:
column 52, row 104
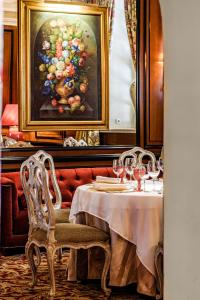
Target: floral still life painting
column 67, row 61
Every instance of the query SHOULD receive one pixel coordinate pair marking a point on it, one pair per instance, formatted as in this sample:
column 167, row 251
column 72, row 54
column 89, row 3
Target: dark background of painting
column 93, row 95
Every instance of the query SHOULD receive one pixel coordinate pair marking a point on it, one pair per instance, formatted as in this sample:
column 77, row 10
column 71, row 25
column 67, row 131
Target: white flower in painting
column 53, row 23
column 65, row 53
column 60, row 65
column 63, row 29
column 54, row 60
column 60, row 23
column 50, row 76
column 65, row 44
column 46, row 45
column 59, row 74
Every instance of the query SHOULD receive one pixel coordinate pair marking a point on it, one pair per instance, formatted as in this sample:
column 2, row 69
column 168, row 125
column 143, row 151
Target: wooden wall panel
column 10, row 65
column 155, row 116
column 70, row 157
column 7, row 68
column 118, row 138
column 150, row 76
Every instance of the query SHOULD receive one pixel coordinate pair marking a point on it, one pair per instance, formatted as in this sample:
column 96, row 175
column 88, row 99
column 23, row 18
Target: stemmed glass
column 129, row 165
column 153, row 171
column 118, row 167
column 143, row 175
column 139, row 172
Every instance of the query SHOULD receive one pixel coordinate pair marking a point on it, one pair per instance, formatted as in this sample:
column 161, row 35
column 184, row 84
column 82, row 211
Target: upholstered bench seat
column 14, row 217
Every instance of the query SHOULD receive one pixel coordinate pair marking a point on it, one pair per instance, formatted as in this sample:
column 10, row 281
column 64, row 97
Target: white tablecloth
column 135, row 216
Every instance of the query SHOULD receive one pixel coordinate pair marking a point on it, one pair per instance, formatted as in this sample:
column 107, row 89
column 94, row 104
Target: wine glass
column 153, row 171
column 139, row 171
column 118, row 167
column 129, row 165
column 143, row 174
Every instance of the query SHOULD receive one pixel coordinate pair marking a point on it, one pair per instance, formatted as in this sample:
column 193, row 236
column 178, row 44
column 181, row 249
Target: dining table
column 134, row 220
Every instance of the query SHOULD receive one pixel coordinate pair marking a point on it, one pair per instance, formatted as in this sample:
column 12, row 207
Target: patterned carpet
column 15, row 277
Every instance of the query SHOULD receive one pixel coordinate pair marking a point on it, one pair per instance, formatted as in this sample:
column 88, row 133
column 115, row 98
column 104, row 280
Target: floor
column 15, row 277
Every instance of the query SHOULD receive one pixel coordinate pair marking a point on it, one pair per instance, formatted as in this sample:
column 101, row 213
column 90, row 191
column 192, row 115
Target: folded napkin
column 110, row 186
column 107, row 179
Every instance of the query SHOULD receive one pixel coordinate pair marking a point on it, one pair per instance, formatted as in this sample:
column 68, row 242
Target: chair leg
column 105, row 270
column 29, row 254
column 50, row 260
column 38, row 256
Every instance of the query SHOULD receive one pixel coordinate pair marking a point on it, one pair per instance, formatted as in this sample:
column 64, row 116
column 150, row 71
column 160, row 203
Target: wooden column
column 10, row 66
column 150, row 76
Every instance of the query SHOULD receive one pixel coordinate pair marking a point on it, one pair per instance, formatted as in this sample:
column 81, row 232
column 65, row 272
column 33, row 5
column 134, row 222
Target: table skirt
column 125, row 268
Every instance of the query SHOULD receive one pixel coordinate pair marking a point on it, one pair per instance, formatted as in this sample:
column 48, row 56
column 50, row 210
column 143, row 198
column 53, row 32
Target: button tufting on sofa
column 71, row 188
column 14, row 220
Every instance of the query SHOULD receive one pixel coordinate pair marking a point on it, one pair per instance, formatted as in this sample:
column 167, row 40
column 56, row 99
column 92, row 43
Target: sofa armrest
column 8, row 203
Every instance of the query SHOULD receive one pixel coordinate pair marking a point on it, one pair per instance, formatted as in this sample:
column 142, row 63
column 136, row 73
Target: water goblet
column 153, row 171
column 143, row 175
column 118, row 167
column 139, row 171
column 129, row 165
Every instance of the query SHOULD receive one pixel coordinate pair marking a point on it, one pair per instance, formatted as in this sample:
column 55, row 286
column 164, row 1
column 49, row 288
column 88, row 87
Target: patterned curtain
column 131, row 24
column 92, row 137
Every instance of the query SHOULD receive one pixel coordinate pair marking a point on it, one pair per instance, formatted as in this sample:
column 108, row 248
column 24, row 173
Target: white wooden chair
column 45, row 232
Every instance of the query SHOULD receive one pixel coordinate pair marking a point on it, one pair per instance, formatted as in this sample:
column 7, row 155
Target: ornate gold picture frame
column 63, row 66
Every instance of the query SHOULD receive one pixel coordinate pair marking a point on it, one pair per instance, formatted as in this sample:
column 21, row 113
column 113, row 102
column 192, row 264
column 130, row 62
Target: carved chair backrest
column 47, row 160
column 138, row 154
column 39, row 203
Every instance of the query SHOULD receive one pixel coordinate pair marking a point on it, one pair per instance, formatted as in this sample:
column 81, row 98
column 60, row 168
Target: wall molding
column 10, row 12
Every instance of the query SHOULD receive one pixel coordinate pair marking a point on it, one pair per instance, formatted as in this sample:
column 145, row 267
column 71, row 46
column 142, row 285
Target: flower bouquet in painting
column 63, row 68
column 63, row 65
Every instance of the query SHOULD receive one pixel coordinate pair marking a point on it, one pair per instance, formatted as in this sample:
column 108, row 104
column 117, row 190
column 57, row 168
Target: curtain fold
column 131, row 25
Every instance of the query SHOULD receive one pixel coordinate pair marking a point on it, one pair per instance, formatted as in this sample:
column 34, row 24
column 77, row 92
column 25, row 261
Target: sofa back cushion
column 68, row 180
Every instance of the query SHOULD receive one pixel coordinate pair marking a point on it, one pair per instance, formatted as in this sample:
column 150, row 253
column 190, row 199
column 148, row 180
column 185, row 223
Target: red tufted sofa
column 14, row 218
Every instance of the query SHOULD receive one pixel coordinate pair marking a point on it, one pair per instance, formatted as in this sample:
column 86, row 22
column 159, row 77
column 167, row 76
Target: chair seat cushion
column 73, row 233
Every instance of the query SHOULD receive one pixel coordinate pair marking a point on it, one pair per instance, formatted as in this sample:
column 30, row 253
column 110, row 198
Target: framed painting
column 63, row 66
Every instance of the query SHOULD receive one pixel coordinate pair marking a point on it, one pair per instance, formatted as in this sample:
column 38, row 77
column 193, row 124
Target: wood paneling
column 150, row 76
column 10, row 65
column 118, row 138
column 155, row 111
column 7, row 92
column 64, row 157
